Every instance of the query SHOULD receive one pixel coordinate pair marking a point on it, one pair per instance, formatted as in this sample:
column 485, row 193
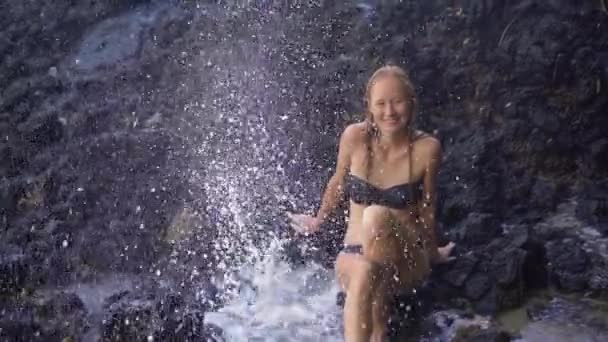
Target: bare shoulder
column 354, row 133
column 428, row 144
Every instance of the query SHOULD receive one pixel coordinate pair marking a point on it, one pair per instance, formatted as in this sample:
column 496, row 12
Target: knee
column 375, row 219
column 380, row 333
column 363, row 279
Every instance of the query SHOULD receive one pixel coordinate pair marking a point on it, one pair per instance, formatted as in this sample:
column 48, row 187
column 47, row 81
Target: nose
column 389, row 110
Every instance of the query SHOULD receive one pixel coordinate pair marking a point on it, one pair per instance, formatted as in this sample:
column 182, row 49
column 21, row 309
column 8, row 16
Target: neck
column 398, row 139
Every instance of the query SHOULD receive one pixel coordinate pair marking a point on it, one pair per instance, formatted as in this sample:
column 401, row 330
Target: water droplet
column 53, row 71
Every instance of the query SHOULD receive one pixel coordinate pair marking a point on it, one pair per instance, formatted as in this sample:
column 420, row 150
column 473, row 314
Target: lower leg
column 357, row 319
column 380, row 315
column 358, row 304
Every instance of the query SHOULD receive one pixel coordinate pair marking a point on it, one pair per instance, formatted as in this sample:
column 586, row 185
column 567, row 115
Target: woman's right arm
column 335, row 187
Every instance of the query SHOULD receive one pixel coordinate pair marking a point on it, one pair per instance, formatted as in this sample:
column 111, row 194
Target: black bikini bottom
column 356, row 249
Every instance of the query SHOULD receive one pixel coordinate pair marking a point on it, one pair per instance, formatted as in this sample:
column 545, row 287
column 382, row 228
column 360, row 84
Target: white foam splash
column 276, row 302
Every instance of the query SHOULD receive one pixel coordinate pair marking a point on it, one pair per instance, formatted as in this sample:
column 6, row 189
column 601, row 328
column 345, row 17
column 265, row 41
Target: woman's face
column 389, row 104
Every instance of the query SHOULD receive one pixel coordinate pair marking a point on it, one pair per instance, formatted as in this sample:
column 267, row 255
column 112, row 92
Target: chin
column 393, row 129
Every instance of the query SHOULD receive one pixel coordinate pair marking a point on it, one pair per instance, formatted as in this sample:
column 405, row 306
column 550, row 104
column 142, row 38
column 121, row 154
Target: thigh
column 346, row 263
column 382, row 243
column 383, row 298
column 404, row 253
column 349, row 265
column 414, row 266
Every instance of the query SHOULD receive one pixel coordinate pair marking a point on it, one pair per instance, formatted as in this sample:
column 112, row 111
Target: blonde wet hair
column 404, row 78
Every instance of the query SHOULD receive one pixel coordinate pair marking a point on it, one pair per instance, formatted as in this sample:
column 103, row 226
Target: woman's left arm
column 427, row 206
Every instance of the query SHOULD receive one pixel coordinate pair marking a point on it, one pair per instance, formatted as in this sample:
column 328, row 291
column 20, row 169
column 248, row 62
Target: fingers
column 448, row 259
column 294, row 217
column 298, row 226
column 449, row 247
column 452, row 247
column 296, row 222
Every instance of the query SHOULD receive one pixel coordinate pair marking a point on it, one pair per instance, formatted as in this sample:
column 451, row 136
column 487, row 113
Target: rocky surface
column 519, row 105
column 136, row 317
column 49, row 318
column 125, row 128
column 141, row 311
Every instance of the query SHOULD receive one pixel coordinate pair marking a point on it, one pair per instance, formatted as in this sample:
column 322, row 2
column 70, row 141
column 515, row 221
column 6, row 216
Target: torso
column 389, row 183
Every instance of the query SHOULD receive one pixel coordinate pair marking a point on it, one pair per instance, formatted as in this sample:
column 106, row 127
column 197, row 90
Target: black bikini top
column 397, row 197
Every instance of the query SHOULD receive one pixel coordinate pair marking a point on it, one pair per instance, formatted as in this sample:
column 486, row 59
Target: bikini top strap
column 410, row 176
column 415, row 136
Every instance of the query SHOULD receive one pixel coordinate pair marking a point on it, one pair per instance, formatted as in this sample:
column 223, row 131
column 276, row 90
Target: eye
column 380, row 103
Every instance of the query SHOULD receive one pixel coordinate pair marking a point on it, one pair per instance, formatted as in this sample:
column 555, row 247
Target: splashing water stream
column 245, row 160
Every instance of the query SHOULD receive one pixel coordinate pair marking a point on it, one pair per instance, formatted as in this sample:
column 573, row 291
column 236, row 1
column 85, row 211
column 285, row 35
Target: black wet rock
column 490, row 302
column 460, row 269
column 21, row 328
column 592, row 204
column 598, row 280
column 155, row 315
column 495, row 276
column 477, row 229
column 477, row 286
column 66, row 312
column 188, row 327
column 568, row 264
column 471, row 185
column 576, row 251
column 508, row 264
column 9, row 194
column 477, row 334
column 461, row 325
column 53, row 317
column 129, row 321
column 407, row 312
column 13, row 270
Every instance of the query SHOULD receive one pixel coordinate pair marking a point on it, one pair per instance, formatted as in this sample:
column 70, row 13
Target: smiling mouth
column 392, row 122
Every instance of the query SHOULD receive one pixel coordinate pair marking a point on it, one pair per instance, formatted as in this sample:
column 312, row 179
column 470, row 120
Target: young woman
column 389, row 172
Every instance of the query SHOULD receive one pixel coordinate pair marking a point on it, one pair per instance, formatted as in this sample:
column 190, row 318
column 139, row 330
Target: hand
column 443, row 253
column 304, row 224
